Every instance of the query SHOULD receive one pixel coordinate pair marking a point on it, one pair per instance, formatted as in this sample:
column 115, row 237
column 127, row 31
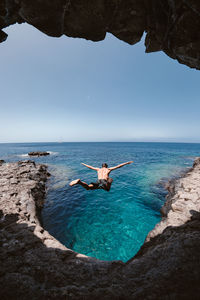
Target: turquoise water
column 106, row 225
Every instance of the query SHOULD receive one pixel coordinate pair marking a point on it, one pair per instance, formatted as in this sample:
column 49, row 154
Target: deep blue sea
column 106, row 225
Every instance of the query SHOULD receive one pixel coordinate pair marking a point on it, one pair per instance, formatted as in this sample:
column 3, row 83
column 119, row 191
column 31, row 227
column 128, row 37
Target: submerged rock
column 34, row 265
column 38, row 153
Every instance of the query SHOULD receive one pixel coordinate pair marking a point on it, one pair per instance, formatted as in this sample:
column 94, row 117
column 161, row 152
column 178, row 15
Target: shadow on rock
column 31, row 270
column 167, row 267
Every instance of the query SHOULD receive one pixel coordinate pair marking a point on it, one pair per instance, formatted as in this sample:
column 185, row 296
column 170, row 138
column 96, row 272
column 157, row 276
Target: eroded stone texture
column 171, row 25
column 183, row 201
column 34, row 265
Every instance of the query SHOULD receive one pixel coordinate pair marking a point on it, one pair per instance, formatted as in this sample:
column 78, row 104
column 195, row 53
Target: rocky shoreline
column 182, row 200
column 34, row 265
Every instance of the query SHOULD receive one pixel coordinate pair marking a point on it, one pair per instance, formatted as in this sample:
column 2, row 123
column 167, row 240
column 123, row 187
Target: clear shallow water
column 106, row 225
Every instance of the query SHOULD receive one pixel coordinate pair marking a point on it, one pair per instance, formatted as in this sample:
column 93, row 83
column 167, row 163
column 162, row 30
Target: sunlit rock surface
column 172, row 26
column 183, row 201
column 34, row 265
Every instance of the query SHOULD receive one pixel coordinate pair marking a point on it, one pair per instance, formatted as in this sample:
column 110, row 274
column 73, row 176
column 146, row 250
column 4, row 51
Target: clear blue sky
column 65, row 89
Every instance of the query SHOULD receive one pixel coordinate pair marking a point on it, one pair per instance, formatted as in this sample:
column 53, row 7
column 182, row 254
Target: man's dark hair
column 104, row 165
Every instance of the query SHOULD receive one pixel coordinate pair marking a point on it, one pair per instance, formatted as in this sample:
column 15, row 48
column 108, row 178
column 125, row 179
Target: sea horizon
column 163, row 142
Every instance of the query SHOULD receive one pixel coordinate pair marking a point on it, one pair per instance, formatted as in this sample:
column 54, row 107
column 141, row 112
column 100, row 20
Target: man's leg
column 109, row 182
column 83, row 184
column 74, row 182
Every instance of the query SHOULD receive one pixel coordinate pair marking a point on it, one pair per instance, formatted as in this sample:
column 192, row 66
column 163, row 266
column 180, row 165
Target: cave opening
column 65, row 86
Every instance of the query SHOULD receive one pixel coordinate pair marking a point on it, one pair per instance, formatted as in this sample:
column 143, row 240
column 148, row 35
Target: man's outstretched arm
column 90, row 167
column 121, row 165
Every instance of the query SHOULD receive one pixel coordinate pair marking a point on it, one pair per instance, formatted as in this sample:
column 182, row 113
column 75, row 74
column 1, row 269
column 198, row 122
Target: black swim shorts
column 100, row 184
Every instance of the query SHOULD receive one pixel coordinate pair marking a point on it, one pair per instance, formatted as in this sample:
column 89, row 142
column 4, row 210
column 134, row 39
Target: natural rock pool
column 106, row 225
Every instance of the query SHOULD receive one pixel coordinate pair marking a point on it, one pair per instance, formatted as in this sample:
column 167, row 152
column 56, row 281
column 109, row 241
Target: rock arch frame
column 167, row 266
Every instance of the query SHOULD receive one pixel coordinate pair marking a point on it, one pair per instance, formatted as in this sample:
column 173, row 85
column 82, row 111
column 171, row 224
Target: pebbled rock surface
column 34, row 265
column 172, row 26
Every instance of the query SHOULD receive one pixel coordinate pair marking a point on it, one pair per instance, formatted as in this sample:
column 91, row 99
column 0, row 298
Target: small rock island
column 38, row 153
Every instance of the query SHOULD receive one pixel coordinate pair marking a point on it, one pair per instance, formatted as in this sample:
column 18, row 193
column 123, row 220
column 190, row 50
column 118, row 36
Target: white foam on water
column 52, row 153
column 23, row 155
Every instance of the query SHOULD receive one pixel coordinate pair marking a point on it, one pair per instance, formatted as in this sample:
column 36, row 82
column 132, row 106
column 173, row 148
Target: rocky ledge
column 183, row 200
column 34, row 265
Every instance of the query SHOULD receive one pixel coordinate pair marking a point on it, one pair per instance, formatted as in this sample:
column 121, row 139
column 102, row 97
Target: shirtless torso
column 104, row 181
column 103, row 173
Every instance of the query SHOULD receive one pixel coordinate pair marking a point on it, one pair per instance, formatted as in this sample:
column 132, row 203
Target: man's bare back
column 103, row 173
column 104, row 181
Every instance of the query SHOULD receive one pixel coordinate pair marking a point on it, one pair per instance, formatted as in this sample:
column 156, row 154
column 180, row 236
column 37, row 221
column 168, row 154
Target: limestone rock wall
column 172, row 26
column 34, row 265
column 183, row 201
